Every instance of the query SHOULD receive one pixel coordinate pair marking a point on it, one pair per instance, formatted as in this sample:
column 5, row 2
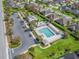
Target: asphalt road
column 3, row 41
column 26, row 40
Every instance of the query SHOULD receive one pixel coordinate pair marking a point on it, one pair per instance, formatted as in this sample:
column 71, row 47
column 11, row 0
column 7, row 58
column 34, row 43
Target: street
column 3, row 40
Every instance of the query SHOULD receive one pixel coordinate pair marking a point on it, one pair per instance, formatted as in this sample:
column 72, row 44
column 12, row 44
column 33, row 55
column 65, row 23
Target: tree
column 9, row 32
column 6, row 18
column 15, row 42
column 31, row 49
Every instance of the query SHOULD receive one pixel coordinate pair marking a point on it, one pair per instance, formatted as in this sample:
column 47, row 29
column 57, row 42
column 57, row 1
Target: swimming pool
column 47, row 32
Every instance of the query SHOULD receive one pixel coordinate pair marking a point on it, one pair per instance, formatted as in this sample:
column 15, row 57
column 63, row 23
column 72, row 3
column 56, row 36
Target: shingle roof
column 74, row 25
column 31, row 18
column 70, row 56
column 60, row 21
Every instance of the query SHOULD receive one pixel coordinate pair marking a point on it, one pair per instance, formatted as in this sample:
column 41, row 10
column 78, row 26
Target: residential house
column 56, row 2
column 31, row 18
column 14, row 4
column 34, row 6
column 53, row 16
column 64, row 21
column 10, row 3
column 70, row 56
column 60, row 1
column 75, row 5
column 46, row 12
column 65, row 8
column 46, row 1
column 70, row 9
column 74, row 27
column 75, row 11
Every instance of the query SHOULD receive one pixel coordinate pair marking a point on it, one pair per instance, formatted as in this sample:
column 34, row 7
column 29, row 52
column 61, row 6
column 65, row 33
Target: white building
column 31, row 18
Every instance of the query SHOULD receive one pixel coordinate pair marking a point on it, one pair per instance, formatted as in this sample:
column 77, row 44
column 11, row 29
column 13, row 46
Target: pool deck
column 47, row 40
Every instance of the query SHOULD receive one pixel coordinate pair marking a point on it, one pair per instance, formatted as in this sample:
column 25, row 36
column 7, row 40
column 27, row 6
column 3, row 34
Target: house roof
column 51, row 16
column 47, row 12
column 46, row 1
column 63, row 21
column 34, row 6
column 60, row 21
column 65, row 8
column 70, row 56
column 75, row 11
column 31, row 18
column 75, row 5
column 58, row 1
column 74, row 25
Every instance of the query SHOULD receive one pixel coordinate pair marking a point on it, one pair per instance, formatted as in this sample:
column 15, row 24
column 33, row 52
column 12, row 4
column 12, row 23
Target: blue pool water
column 47, row 32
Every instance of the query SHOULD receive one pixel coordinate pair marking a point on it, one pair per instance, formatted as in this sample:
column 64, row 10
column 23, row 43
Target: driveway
column 26, row 40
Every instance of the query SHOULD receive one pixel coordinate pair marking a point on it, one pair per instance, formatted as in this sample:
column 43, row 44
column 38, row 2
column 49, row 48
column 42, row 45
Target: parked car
column 21, row 22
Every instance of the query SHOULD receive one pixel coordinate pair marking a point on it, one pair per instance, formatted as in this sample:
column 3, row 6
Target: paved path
column 3, row 41
column 25, row 39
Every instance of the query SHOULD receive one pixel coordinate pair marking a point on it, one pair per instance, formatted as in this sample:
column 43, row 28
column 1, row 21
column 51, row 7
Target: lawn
column 39, row 18
column 56, row 49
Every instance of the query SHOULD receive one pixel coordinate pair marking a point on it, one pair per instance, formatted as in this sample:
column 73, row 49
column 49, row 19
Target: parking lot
column 20, row 30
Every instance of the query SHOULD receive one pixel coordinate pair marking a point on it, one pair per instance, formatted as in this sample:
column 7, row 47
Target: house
column 65, row 8
column 31, row 18
column 64, row 21
column 70, row 56
column 46, row 1
column 60, row 1
column 18, row 1
column 10, row 3
column 46, row 12
column 21, row 5
column 74, row 27
column 34, row 6
column 75, row 5
column 70, row 9
column 53, row 16
column 75, row 11
column 14, row 4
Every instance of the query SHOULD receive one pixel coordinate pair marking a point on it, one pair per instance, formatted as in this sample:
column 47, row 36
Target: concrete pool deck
column 47, row 40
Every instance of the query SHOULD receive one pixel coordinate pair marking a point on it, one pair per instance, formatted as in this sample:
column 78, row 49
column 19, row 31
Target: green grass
column 57, row 48
column 39, row 18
